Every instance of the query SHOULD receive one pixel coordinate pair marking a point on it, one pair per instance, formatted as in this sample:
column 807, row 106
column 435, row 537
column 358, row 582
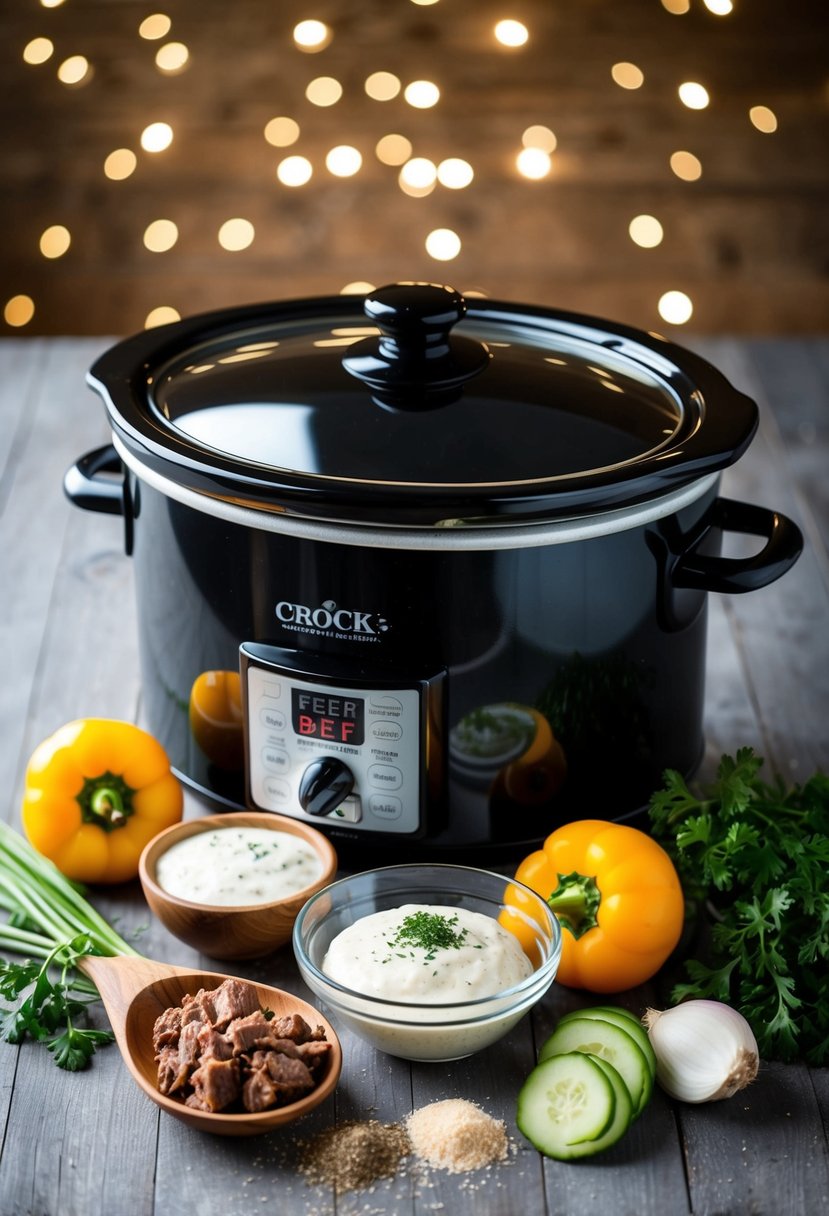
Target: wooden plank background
column 748, row 241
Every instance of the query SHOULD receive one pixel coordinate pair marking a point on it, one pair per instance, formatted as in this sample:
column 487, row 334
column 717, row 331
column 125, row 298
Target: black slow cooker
column 428, row 572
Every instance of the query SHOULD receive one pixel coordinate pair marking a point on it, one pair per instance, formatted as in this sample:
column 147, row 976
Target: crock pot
column 426, row 571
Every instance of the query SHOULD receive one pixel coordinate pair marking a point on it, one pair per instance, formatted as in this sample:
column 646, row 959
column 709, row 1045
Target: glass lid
column 478, row 408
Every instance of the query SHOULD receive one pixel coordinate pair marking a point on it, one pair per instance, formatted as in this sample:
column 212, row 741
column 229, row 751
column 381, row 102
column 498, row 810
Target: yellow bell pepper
column 617, row 897
column 216, row 718
column 96, row 792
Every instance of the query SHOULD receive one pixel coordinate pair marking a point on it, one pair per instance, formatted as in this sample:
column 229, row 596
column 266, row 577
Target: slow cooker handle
column 784, row 544
column 85, row 485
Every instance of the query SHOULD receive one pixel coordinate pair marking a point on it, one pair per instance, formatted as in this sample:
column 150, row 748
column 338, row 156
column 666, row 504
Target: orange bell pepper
column 617, row 897
column 96, row 792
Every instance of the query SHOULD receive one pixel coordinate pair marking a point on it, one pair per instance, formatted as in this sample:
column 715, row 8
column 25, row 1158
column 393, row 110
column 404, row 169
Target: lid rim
column 486, row 536
column 721, row 423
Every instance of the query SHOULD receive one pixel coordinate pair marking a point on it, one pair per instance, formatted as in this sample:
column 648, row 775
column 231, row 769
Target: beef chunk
column 216, row 1083
column 213, row 1045
column 188, row 1044
column 192, row 1011
column 314, row 1054
column 291, row 1077
column 258, row 1091
column 295, row 1027
column 167, row 1028
column 244, row 1033
column 172, row 1073
column 278, row 1082
column 286, row 1046
column 232, row 999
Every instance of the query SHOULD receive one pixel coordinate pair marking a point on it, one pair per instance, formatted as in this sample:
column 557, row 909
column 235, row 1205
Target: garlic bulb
column 705, row 1050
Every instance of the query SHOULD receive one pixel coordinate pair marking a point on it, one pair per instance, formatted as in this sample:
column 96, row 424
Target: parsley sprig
column 46, row 1008
column 757, row 854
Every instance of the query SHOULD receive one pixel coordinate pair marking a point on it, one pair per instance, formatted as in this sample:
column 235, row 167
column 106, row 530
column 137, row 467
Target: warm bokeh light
column 281, row 132
column 236, row 234
column 157, row 25
column 357, row 288
column 455, row 173
column 533, row 163
column 645, row 231
column 55, row 241
column 675, row 307
column 693, row 95
column 324, row 91
column 393, row 149
column 422, row 94
column 38, row 50
column 382, row 86
column 160, row 235
column 763, row 119
column 720, row 8
column 51, row 3
column 163, row 315
column 539, row 137
column 627, row 75
column 343, row 161
column 443, row 244
column 677, row 7
column 120, row 164
column 511, row 33
column 419, row 171
column 19, row 311
column 312, row 35
column 156, row 137
column 172, row 58
column 74, row 70
column 418, row 176
column 294, row 171
column 686, row 165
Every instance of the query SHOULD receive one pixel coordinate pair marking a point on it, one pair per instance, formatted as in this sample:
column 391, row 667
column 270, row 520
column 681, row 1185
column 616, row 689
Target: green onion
column 49, row 920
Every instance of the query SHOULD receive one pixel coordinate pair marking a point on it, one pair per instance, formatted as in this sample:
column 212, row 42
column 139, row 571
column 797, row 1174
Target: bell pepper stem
column 107, row 803
column 575, row 903
column 106, row 800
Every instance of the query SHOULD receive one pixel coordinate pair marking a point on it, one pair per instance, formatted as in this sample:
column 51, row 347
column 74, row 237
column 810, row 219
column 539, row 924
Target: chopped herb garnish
column 428, row 931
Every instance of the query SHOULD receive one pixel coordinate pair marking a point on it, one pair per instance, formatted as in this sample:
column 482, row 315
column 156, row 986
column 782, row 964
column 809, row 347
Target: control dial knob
column 324, row 785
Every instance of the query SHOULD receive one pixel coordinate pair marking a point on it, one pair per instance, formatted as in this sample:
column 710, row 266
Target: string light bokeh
column 655, row 161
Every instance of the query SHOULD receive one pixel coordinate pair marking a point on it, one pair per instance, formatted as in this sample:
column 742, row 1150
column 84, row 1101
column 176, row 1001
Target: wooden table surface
column 91, row 1144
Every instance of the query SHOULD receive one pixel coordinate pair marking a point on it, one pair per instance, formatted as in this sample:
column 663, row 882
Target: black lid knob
column 416, row 362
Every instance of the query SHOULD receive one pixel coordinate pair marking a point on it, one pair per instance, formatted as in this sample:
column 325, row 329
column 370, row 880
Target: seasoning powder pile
column 352, row 1156
column 457, row 1135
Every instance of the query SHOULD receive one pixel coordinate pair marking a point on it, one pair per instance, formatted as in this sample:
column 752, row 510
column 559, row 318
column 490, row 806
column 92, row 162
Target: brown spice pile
column 456, row 1135
column 354, row 1155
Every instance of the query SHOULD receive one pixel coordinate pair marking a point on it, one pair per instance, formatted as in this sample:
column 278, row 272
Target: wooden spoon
column 136, row 990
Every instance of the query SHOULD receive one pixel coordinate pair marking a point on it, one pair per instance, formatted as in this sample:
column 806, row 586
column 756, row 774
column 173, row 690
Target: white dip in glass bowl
column 401, row 982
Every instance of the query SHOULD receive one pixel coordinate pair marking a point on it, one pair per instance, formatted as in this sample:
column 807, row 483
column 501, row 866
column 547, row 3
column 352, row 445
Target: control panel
column 340, row 749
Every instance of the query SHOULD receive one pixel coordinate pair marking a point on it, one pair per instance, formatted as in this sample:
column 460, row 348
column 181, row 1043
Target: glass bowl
column 426, row 1030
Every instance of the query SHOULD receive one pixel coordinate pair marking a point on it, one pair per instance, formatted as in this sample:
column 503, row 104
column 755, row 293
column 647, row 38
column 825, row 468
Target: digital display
column 325, row 716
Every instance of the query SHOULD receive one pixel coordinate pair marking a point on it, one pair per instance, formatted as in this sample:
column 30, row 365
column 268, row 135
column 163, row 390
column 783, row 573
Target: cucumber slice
column 627, row 1021
column 608, row 1042
column 566, row 1102
column 623, row 1115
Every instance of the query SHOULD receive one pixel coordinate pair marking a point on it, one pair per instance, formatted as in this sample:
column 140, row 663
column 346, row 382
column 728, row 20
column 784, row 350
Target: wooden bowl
column 240, row 931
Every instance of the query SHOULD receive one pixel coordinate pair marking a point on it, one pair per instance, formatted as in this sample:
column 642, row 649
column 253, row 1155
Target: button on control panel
column 310, row 740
